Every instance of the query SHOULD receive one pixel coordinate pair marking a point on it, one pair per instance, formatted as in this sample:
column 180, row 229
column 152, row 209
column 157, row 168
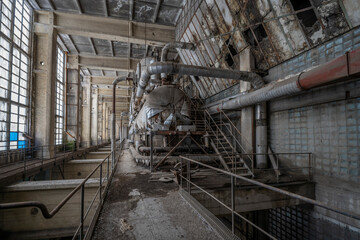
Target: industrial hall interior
column 180, row 119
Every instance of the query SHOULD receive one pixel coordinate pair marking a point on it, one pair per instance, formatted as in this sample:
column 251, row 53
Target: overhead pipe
column 341, row 68
column 182, row 69
column 174, row 45
column 113, row 118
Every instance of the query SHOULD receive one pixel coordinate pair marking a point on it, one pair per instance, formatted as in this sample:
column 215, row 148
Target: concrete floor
column 138, row 209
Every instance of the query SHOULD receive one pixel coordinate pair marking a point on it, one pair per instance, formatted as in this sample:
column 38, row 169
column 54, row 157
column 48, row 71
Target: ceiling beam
column 109, row 80
column 52, row 6
column 105, row 28
column 131, row 10
column 157, row 10
column 93, row 45
column 107, row 63
column 106, row 8
column 78, row 6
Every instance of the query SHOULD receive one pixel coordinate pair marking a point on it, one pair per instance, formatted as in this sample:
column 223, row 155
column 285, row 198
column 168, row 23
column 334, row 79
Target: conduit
column 338, row 69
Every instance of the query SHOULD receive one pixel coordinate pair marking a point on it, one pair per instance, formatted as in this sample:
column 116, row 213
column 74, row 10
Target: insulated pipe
column 338, row 69
column 113, row 118
column 174, row 45
column 182, row 69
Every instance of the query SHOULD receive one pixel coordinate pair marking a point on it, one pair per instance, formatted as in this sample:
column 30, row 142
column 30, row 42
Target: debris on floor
column 165, row 177
column 124, row 225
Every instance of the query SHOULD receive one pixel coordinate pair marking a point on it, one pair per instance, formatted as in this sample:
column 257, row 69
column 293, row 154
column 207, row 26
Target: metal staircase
column 222, row 138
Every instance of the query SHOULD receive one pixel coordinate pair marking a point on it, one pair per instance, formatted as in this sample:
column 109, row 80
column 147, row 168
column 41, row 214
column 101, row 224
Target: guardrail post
column 82, row 212
column 24, row 166
column 309, row 169
column 232, row 205
column 188, row 177
column 108, row 168
column 181, row 172
column 151, row 150
column 100, row 182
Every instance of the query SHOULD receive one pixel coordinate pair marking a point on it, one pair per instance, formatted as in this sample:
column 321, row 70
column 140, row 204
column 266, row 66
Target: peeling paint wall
column 276, row 30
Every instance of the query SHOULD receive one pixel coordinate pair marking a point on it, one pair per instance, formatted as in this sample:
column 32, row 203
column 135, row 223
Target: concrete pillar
column 100, row 120
column 104, row 121
column 247, row 63
column 86, row 111
column 45, row 74
column 94, row 115
column 73, row 99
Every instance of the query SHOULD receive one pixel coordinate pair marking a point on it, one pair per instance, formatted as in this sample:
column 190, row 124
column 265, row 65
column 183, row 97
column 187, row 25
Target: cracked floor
column 138, row 209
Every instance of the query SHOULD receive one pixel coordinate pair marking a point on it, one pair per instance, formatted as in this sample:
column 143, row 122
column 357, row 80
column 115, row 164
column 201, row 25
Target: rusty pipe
column 344, row 67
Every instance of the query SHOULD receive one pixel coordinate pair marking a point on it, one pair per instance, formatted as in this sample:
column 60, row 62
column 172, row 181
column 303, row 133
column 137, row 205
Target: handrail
column 44, row 210
column 275, row 189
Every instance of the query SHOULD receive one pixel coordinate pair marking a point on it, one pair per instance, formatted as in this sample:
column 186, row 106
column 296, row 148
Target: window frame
column 24, row 76
column 60, row 97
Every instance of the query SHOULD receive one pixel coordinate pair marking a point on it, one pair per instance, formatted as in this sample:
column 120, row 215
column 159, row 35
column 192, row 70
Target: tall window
column 59, row 111
column 15, row 21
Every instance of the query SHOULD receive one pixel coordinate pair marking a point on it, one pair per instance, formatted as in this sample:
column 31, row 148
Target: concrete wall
column 29, row 222
column 79, row 169
column 325, row 122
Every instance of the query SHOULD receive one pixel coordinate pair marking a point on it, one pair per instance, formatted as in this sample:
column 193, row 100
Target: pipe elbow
column 119, row 79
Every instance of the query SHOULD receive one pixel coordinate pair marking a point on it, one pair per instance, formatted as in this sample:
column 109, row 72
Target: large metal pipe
column 174, row 45
column 338, row 69
column 182, row 69
column 113, row 118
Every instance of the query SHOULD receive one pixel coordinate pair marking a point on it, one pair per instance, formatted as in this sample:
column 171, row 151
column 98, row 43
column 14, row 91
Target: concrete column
column 94, row 115
column 73, row 99
column 100, row 120
column 247, row 63
column 86, row 111
column 45, row 74
column 104, row 121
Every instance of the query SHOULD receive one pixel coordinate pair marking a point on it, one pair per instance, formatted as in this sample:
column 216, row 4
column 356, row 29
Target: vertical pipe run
column 261, row 135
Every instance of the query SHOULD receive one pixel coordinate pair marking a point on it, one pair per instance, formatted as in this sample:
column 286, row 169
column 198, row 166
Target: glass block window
column 22, row 25
column 6, row 16
column 3, row 125
column 20, row 75
column 59, row 111
column 4, row 67
column 15, row 24
column 17, row 126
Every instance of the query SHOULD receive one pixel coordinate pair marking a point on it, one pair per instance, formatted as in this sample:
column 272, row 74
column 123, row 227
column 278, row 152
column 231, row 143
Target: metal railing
column 84, row 213
column 38, row 155
column 234, row 184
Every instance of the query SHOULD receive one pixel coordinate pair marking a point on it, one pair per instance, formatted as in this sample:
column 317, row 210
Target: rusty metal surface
column 276, row 30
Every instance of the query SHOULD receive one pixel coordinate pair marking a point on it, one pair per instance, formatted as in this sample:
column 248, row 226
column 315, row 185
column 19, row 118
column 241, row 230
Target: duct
column 182, row 69
column 174, row 45
column 338, row 69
